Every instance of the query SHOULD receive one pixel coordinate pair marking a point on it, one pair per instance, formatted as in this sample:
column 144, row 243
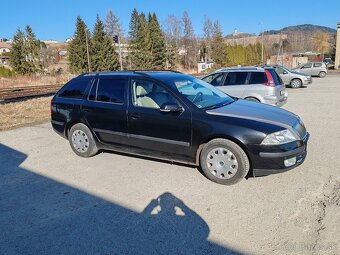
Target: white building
column 4, row 50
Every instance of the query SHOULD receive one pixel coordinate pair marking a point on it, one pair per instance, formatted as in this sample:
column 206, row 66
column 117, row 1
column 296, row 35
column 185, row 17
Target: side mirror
column 171, row 107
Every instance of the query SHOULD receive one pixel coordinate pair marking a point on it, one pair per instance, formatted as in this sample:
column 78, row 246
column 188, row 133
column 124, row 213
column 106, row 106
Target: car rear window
column 277, row 79
column 258, row 78
column 74, row 89
column 236, row 78
column 110, row 90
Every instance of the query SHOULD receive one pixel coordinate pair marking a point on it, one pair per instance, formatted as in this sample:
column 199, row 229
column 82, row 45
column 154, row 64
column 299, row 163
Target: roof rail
column 152, row 70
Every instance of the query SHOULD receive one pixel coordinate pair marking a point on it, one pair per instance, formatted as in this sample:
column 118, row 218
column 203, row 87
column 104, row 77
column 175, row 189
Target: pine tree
column 217, row 45
column 33, row 51
column 18, row 56
column 158, row 49
column 77, row 48
column 25, row 54
column 133, row 33
column 143, row 57
column 103, row 54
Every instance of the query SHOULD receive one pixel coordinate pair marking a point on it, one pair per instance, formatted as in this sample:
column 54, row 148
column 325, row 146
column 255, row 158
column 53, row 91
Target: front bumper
column 307, row 82
column 271, row 160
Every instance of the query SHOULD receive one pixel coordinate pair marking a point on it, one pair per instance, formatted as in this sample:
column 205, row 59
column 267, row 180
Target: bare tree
column 115, row 30
column 207, row 35
column 190, row 43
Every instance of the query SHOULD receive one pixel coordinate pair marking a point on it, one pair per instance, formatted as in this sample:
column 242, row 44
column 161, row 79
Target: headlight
column 281, row 137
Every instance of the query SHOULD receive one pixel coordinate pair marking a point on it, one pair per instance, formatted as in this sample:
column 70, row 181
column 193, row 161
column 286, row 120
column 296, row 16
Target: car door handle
column 134, row 116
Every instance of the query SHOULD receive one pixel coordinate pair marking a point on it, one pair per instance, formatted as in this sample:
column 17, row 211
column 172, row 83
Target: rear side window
column 277, row 79
column 317, row 64
column 214, row 79
column 258, row 78
column 110, row 90
column 236, row 78
column 309, row 65
column 74, row 89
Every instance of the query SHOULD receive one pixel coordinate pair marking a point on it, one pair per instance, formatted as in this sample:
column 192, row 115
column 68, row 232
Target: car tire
column 224, row 162
column 81, row 140
column 253, row 99
column 296, row 83
column 322, row 74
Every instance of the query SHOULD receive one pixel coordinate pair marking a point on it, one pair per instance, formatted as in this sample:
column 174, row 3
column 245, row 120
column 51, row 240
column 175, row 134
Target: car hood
column 245, row 109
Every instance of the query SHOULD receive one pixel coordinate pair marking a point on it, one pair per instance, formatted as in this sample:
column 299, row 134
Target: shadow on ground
column 41, row 216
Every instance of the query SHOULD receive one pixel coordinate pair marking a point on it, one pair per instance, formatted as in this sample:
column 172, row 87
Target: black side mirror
column 171, row 107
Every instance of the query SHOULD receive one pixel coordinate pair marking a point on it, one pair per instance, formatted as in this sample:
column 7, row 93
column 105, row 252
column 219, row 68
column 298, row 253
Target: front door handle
column 134, row 116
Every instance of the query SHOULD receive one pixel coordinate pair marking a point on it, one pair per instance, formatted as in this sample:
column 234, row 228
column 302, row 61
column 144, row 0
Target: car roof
column 138, row 73
column 241, row 69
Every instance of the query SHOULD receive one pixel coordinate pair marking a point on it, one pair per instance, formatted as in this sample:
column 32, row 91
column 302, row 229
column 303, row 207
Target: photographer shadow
column 39, row 215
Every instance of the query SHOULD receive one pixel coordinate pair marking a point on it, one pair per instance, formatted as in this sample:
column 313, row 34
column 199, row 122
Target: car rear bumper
column 276, row 162
column 276, row 101
column 307, row 82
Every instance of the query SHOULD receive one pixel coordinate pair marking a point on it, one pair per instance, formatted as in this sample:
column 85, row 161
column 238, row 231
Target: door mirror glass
column 170, row 107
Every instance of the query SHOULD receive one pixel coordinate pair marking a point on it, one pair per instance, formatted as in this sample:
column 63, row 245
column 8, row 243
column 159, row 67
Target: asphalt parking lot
column 53, row 202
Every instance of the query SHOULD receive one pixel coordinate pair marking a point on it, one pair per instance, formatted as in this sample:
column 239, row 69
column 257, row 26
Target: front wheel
column 296, row 83
column 224, row 162
column 322, row 74
column 82, row 141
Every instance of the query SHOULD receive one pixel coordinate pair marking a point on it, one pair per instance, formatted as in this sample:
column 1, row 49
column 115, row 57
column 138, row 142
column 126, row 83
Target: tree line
column 174, row 45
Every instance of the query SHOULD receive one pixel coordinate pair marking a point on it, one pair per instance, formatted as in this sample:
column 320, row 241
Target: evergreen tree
column 141, row 55
column 25, row 54
column 77, row 48
column 217, row 45
column 133, row 33
column 158, row 49
column 32, row 51
column 18, row 56
column 103, row 54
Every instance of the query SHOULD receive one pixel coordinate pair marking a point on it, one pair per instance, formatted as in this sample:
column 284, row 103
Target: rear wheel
column 322, row 74
column 296, row 83
column 224, row 162
column 82, row 141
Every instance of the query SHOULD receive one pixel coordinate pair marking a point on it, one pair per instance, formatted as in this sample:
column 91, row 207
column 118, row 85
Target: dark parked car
column 177, row 117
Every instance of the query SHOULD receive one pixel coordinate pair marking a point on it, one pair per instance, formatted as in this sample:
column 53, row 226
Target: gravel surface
column 53, row 202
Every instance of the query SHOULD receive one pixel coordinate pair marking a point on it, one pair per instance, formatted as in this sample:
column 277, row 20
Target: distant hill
column 306, row 28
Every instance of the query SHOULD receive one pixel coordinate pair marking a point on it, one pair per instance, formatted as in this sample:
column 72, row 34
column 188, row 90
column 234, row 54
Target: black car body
column 181, row 127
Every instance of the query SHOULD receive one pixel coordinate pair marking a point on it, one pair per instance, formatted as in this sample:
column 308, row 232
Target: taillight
column 270, row 79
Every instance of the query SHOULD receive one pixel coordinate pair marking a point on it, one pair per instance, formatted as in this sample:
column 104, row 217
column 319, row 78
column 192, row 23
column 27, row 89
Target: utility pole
column 87, row 51
column 262, row 50
column 120, row 54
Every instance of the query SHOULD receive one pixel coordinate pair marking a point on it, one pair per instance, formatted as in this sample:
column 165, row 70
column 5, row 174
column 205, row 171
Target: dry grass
column 33, row 111
column 19, row 81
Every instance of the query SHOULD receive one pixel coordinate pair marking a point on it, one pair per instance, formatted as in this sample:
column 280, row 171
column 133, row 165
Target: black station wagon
column 173, row 116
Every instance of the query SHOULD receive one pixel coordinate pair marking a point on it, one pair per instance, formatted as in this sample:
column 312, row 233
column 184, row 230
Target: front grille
column 300, row 128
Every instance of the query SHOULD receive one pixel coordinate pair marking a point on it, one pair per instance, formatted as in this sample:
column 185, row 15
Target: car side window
column 75, row 89
column 317, row 64
column 110, row 90
column 235, row 78
column 309, row 65
column 279, row 70
column 257, row 78
column 149, row 94
column 214, row 79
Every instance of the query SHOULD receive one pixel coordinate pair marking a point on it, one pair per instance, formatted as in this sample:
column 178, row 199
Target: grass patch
column 25, row 113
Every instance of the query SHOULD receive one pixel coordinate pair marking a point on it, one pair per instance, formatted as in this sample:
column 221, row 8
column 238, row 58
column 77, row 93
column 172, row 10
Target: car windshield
column 200, row 93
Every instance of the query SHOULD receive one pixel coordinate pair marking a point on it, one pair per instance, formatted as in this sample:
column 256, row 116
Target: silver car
column 292, row 78
column 313, row 69
column 252, row 83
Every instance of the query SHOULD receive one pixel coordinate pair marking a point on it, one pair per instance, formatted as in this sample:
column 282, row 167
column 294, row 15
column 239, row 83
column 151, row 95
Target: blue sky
column 55, row 20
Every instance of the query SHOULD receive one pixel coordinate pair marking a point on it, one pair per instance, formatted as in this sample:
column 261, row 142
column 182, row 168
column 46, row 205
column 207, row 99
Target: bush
column 5, row 72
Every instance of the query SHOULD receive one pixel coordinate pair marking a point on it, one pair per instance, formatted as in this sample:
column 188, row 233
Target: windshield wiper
column 218, row 105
